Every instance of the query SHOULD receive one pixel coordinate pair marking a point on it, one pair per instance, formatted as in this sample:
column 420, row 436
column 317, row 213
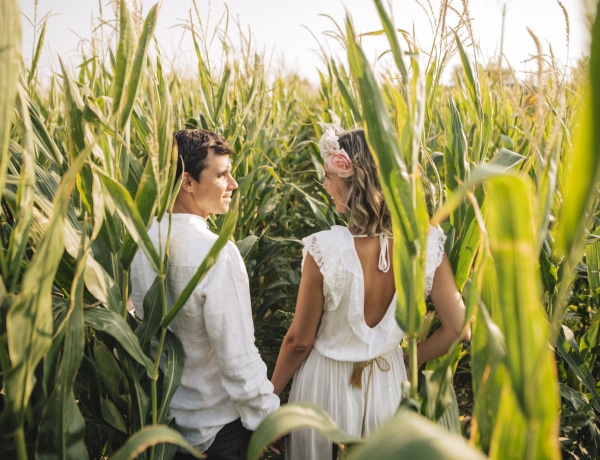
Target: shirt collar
column 192, row 219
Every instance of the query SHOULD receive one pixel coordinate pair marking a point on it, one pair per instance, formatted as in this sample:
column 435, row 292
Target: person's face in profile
column 337, row 189
column 212, row 193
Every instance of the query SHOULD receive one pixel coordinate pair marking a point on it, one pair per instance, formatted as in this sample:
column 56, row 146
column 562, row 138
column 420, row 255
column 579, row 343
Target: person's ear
column 186, row 182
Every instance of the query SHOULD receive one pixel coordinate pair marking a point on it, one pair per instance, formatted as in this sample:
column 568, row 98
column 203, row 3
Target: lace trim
column 435, row 253
column 323, row 248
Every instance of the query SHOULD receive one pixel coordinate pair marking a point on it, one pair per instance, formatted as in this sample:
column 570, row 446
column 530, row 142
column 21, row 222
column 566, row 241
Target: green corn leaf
column 441, row 398
column 581, row 178
column 291, row 417
column 246, row 245
column 102, row 286
column 172, row 372
column 531, row 368
column 62, row 429
column 112, row 375
column 390, row 33
column 547, row 184
column 44, row 141
column 488, row 352
column 472, row 81
column 153, row 313
column 127, row 211
column 113, row 324
column 150, row 436
column 221, row 92
column 74, row 108
column 401, row 188
column 29, row 320
column 593, row 266
column 464, row 252
column 507, row 158
column 36, row 56
column 112, row 415
column 580, row 368
column 24, row 205
column 145, row 203
column 420, row 438
column 10, row 58
column 456, row 164
column 124, row 57
column 137, row 71
column 346, row 93
column 167, row 150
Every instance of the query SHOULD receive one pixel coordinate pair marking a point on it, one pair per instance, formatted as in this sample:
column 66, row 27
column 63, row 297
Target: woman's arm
column 451, row 311
column 299, row 338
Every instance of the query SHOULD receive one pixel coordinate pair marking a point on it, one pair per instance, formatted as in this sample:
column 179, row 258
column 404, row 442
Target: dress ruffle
column 325, row 249
column 436, row 239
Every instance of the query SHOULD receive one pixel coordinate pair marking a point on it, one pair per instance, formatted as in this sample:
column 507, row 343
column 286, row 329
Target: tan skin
column 379, row 292
column 211, row 193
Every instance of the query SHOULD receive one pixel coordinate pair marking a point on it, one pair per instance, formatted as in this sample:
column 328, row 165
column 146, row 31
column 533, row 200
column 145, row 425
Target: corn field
column 508, row 166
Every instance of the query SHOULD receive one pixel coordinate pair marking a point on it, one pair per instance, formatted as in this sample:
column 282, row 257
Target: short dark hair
column 193, row 146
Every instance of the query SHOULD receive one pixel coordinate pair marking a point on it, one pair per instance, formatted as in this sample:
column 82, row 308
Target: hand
column 278, row 446
column 406, row 361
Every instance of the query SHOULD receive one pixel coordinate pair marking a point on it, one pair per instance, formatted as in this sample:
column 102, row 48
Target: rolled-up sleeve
column 230, row 328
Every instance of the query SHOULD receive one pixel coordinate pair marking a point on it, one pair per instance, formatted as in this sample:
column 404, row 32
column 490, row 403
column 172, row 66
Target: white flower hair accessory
column 336, row 159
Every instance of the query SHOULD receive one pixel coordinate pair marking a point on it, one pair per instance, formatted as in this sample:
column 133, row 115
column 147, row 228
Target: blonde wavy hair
column 366, row 207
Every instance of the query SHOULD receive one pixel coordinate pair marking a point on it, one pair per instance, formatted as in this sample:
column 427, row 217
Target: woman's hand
column 278, row 446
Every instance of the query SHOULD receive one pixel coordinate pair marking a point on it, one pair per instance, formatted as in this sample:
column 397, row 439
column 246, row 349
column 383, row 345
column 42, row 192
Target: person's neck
column 183, row 206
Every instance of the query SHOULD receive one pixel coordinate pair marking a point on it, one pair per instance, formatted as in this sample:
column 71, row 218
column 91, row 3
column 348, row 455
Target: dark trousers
column 231, row 443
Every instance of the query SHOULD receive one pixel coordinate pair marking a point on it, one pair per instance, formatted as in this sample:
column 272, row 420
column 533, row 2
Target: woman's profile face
column 337, row 189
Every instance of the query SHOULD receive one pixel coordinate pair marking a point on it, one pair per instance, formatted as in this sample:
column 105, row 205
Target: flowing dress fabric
column 343, row 338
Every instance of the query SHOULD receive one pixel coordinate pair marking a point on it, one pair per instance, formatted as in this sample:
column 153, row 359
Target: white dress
column 343, row 338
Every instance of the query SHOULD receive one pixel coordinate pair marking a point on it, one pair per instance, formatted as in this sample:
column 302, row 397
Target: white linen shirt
column 224, row 377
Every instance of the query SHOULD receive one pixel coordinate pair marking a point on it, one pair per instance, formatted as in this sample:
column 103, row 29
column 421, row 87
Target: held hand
column 406, row 361
column 278, row 446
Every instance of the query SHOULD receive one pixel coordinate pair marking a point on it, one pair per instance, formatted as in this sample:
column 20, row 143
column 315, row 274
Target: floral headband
column 336, row 159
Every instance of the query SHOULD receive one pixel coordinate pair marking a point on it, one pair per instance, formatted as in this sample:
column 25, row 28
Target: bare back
column 379, row 286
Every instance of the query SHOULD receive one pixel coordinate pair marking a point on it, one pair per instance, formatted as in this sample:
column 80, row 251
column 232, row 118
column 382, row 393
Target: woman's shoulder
column 336, row 233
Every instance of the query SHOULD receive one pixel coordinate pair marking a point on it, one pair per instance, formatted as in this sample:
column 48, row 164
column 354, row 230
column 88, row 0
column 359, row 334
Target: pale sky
column 281, row 29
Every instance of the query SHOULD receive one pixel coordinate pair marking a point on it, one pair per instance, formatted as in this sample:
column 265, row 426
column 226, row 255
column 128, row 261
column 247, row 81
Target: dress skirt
column 358, row 411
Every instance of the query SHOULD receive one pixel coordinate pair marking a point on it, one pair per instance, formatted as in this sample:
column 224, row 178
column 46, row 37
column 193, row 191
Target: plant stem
column 20, row 444
column 414, row 365
column 125, row 291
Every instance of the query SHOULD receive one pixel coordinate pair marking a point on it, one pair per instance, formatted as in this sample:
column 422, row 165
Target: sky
column 293, row 32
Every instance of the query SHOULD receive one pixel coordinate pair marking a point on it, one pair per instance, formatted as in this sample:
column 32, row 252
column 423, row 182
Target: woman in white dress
column 343, row 346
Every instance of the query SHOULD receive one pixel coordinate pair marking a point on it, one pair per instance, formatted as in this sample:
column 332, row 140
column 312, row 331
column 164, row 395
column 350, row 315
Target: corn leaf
column 113, row 324
column 582, row 176
column 291, row 417
column 150, row 436
column 521, row 317
column 10, row 57
column 62, row 428
column 29, row 320
column 130, row 216
column 137, row 71
column 420, row 438
column 401, row 188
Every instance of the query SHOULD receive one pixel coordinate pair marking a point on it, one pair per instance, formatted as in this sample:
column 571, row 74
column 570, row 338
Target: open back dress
column 347, row 350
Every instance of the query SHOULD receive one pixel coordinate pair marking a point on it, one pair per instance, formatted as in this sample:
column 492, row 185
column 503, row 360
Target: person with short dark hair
column 224, row 392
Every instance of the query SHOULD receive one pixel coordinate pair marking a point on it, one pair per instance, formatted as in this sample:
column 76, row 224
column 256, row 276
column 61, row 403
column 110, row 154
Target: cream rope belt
column 356, row 380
